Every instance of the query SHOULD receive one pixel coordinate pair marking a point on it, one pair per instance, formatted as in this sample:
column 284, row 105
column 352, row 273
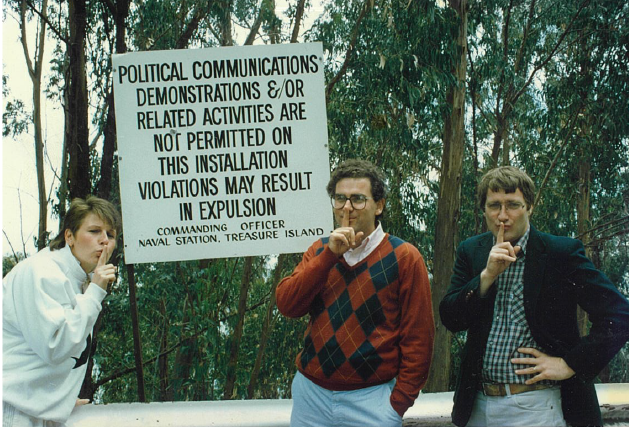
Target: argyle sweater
column 368, row 323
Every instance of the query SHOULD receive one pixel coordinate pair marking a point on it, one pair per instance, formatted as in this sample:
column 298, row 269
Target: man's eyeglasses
column 509, row 206
column 358, row 201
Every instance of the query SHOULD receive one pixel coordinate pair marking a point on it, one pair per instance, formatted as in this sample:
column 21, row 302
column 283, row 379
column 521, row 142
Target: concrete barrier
column 430, row 409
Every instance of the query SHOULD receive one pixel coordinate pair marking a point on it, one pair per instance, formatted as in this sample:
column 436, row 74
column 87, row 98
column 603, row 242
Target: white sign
column 222, row 152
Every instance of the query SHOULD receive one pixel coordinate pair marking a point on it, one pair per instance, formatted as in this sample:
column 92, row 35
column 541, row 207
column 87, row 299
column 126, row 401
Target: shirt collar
column 367, row 246
column 524, row 240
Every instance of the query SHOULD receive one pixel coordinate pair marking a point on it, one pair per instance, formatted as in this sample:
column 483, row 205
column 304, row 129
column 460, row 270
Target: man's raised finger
column 500, row 238
column 345, row 219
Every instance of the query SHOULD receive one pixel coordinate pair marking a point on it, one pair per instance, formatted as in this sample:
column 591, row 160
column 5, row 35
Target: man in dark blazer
column 515, row 291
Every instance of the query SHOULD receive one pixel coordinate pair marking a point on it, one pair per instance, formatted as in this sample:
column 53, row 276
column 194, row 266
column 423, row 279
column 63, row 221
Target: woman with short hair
column 50, row 304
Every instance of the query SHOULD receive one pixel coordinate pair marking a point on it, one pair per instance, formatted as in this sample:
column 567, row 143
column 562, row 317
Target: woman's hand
column 104, row 273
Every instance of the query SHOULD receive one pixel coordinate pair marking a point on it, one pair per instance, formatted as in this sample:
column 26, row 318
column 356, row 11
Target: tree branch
column 551, row 54
column 24, row 40
column 181, row 342
column 556, row 158
column 19, row 199
column 47, row 21
column 527, row 27
column 609, row 224
column 505, row 55
column 348, row 53
column 199, row 14
column 256, row 25
column 110, row 6
column 594, row 243
column 298, row 16
column 11, row 246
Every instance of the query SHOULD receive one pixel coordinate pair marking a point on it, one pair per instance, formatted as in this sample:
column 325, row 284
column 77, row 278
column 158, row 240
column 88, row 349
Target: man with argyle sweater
column 368, row 345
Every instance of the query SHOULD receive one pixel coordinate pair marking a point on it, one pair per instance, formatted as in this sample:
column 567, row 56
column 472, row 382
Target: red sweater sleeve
column 295, row 293
column 417, row 331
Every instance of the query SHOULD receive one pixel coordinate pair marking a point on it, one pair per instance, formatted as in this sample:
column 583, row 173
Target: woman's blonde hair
column 79, row 210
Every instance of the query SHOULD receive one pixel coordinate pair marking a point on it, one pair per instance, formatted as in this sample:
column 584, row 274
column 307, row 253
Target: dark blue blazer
column 558, row 277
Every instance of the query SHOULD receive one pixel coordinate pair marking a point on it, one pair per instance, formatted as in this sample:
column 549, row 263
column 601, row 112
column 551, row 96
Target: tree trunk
column 230, row 378
column 267, row 327
column 500, row 139
column 448, row 208
column 506, row 151
column 583, row 223
column 120, row 12
column 109, row 148
column 183, row 365
column 584, row 180
column 78, row 131
column 476, row 165
column 200, row 12
column 298, row 17
column 63, row 185
column 165, row 391
column 104, row 185
column 137, row 343
column 88, row 388
column 39, row 150
column 226, row 24
column 35, row 73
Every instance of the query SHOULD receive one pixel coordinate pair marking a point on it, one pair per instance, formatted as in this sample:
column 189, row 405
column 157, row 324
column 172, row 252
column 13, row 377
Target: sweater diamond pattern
column 331, row 356
column 384, row 272
column 318, row 306
column 349, row 275
column 365, row 360
column 340, row 310
column 360, row 286
column 371, row 314
column 308, row 353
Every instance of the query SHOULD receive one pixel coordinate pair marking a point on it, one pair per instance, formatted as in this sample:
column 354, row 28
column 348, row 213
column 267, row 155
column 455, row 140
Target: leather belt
column 490, row 389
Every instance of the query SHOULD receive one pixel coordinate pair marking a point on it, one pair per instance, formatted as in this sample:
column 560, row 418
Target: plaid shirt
column 509, row 329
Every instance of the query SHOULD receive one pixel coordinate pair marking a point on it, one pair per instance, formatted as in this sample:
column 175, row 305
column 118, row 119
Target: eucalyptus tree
column 585, row 90
column 512, row 43
column 14, row 120
column 449, row 202
column 35, row 69
column 389, row 105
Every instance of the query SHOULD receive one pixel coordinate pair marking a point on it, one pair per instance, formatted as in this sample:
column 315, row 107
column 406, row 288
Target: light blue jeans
column 314, row 406
column 532, row 408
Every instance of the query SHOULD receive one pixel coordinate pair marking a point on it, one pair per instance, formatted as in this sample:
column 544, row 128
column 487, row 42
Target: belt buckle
column 493, row 389
column 500, row 389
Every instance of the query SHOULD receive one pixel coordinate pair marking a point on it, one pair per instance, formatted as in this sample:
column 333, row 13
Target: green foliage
column 8, row 262
column 15, row 120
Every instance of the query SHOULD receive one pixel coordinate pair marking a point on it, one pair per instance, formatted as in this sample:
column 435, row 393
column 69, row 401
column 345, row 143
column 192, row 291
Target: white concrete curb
column 260, row 413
